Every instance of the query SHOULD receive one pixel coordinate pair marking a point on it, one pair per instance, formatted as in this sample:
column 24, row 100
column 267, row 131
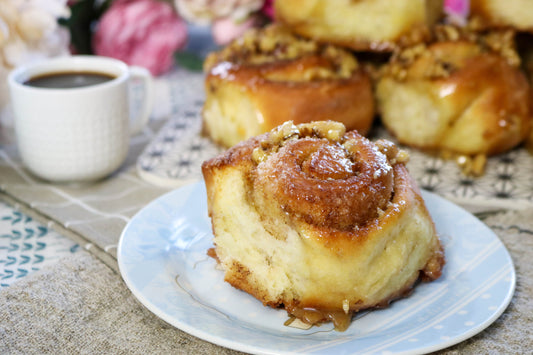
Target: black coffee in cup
column 67, row 80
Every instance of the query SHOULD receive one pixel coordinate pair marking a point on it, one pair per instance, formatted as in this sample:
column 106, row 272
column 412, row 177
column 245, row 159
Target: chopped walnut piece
column 259, row 155
column 472, row 166
column 432, row 66
column 276, row 43
column 394, row 154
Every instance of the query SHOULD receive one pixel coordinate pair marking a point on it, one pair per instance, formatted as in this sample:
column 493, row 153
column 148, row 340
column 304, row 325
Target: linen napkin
column 81, row 305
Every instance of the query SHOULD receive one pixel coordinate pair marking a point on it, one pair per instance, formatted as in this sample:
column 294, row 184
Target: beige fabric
column 80, row 305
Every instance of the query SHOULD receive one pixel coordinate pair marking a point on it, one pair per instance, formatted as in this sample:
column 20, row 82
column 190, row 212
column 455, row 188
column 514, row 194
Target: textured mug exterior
column 78, row 134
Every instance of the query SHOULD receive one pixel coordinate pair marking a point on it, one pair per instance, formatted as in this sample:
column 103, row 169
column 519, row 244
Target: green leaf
column 83, row 16
column 189, row 60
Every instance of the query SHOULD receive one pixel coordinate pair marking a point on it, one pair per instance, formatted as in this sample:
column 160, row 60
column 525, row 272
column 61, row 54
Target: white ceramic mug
column 76, row 134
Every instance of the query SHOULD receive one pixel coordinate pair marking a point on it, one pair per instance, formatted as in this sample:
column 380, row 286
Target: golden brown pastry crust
column 457, row 95
column 525, row 45
column 270, row 76
column 365, row 25
column 515, row 14
column 322, row 222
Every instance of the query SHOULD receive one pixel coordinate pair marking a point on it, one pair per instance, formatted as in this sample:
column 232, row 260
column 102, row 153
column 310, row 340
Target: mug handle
column 139, row 122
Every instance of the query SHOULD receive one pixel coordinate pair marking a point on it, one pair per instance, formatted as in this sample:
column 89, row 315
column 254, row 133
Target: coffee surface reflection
column 68, row 80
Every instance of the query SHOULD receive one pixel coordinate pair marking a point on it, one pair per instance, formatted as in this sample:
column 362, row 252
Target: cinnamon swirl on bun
column 270, row 76
column 320, row 221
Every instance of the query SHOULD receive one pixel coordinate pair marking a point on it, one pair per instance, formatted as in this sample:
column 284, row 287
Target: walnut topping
column 439, row 60
column 402, row 157
column 284, row 132
column 275, row 139
column 472, row 166
column 331, row 130
column 276, row 43
column 496, row 41
column 502, row 42
column 346, row 306
column 392, row 152
column 259, row 155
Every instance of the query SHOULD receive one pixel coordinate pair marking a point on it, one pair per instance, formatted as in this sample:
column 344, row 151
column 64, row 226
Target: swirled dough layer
column 319, row 221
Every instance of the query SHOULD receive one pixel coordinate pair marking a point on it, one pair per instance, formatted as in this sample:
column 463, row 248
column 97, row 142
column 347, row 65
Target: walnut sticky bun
column 463, row 95
column 363, row 25
column 320, row 221
column 503, row 14
column 269, row 76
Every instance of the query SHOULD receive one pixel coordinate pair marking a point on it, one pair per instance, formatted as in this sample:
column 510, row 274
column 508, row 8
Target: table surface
column 42, row 224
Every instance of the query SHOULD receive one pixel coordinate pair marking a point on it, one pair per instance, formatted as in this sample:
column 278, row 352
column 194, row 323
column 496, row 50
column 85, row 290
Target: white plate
column 162, row 258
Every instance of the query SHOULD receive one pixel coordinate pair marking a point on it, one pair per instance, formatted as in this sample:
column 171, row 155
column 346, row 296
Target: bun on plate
column 320, row 221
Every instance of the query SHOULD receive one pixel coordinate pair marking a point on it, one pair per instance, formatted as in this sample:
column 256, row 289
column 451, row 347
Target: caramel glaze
column 504, row 90
column 510, row 99
column 394, row 187
column 485, row 16
column 280, row 94
column 342, row 318
column 327, row 184
column 416, row 33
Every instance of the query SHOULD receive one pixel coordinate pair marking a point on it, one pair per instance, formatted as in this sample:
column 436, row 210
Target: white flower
column 206, row 11
column 29, row 31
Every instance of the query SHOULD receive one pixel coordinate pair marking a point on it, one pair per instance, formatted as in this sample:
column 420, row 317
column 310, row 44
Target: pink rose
column 268, row 9
column 457, row 11
column 141, row 32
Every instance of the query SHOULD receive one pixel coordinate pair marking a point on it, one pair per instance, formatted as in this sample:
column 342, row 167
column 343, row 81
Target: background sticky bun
column 270, row 76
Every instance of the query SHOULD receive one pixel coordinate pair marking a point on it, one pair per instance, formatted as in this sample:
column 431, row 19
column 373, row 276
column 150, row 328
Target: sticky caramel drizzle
column 340, row 319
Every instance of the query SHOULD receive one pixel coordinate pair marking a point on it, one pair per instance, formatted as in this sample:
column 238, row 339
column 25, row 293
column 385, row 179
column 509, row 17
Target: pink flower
column 141, row 32
column 457, row 11
column 226, row 29
column 268, row 9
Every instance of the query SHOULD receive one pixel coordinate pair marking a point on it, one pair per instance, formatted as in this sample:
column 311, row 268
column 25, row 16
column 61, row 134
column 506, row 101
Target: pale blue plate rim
column 482, row 282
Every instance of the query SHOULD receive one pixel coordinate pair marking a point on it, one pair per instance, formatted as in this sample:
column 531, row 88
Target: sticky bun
column 463, row 94
column 270, row 76
column 320, row 221
column 516, row 14
column 367, row 25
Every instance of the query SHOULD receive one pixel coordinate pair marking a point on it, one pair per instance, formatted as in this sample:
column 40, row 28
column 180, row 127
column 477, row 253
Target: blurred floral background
column 155, row 34
column 29, row 30
column 149, row 33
